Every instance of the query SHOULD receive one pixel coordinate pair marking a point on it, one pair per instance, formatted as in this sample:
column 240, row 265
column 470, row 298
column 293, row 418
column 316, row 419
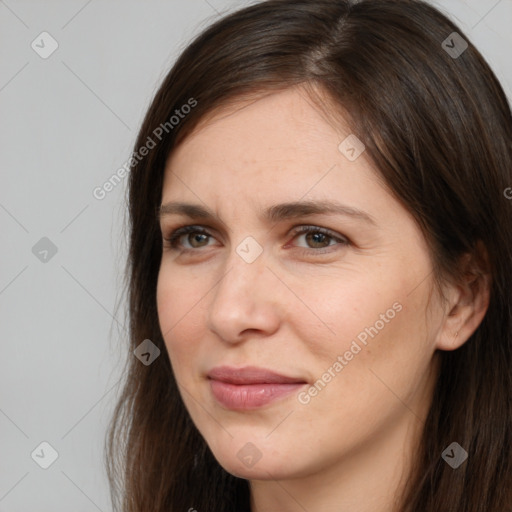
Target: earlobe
column 467, row 310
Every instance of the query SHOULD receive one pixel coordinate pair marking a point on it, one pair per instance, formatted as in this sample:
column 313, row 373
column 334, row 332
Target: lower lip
column 250, row 396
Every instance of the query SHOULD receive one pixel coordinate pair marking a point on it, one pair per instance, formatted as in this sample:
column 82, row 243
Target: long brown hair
column 438, row 127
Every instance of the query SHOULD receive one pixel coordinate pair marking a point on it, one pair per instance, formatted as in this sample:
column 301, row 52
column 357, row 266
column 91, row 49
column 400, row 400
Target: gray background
column 67, row 123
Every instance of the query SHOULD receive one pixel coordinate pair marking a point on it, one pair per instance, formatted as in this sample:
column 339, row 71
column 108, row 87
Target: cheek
column 178, row 295
column 366, row 328
column 345, row 310
column 358, row 386
column 180, row 316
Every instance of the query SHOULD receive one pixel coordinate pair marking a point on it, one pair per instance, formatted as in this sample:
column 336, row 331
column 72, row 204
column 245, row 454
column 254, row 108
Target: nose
column 245, row 302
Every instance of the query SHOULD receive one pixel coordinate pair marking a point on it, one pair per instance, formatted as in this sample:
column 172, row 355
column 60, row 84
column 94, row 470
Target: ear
column 467, row 302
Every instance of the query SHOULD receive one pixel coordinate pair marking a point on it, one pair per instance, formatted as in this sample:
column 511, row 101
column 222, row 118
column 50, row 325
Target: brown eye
column 319, row 238
column 195, row 237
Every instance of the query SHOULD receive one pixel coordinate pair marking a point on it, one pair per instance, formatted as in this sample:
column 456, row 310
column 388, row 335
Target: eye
column 195, row 236
column 319, row 238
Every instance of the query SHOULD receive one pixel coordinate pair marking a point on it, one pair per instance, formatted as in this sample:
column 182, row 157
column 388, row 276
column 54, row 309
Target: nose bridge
column 245, row 271
column 243, row 298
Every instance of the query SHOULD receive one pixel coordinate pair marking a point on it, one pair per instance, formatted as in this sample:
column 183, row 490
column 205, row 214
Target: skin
column 295, row 309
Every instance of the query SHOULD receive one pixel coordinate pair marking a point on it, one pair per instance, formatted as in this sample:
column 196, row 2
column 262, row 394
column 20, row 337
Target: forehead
column 282, row 137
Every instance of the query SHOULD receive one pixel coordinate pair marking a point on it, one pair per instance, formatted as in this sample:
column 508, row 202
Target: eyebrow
column 272, row 214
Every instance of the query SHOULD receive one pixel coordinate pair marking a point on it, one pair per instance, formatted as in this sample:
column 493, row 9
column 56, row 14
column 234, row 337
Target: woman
column 319, row 251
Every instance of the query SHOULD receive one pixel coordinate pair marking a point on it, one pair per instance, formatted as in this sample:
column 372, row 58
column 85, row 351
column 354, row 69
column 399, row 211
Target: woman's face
column 339, row 310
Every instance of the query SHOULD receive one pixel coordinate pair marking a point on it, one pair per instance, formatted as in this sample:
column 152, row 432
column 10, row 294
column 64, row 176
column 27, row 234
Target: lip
column 250, row 387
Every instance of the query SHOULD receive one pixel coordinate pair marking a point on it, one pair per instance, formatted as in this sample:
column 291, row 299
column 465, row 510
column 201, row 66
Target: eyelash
column 172, row 241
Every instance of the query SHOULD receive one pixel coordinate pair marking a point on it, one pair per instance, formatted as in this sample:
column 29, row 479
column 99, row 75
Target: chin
column 254, row 460
column 262, row 470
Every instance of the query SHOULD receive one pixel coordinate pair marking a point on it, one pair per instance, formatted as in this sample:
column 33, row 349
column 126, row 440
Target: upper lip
column 250, row 375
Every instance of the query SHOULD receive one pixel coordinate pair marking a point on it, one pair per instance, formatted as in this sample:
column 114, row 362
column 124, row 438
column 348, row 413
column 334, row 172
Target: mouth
column 250, row 387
